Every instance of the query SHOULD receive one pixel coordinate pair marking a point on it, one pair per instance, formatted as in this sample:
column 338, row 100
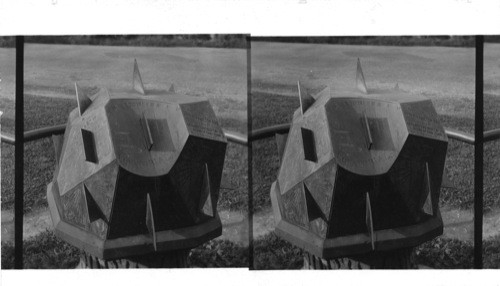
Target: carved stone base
column 398, row 259
column 172, row 259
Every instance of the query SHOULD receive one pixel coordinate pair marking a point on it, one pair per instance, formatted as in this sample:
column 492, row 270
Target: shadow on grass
column 456, row 41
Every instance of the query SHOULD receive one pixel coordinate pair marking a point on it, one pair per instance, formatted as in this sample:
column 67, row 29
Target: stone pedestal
column 171, row 259
column 396, row 259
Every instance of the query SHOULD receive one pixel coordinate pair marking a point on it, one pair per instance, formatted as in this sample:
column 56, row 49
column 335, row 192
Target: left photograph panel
column 134, row 151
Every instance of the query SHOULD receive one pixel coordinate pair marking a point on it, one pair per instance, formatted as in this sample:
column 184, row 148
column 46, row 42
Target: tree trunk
column 171, row 259
column 396, row 259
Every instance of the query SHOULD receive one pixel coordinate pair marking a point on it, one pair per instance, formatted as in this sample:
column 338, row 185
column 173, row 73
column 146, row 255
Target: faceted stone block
column 138, row 172
column 361, row 170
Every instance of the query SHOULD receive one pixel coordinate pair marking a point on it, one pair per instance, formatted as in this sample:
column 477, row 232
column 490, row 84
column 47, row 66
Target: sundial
column 361, row 170
column 137, row 172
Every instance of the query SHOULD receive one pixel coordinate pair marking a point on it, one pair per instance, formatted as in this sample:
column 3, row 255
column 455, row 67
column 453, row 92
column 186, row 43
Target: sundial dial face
column 366, row 134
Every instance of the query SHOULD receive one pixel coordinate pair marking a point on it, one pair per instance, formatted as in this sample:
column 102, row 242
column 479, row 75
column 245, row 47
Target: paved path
column 234, row 225
column 459, row 224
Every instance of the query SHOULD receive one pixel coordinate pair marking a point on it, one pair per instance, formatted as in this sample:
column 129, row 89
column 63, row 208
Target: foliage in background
column 448, row 41
column 206, row 40
column 238, row 40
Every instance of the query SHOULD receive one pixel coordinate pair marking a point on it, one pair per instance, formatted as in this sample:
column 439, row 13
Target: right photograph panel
column 362, row 153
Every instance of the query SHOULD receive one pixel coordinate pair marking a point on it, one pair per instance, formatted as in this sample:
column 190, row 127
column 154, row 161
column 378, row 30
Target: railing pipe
column 7, row 138
column 36, row 134
column 235, row 137
column 460, row 136
column 19, row 156
column 238, row 138
column 268, row 131
column 491, row 135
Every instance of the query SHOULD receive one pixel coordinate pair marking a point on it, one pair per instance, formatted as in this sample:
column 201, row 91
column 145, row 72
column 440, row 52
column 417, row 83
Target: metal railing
column 242, row 139
column 468, row 138
column 32, row 135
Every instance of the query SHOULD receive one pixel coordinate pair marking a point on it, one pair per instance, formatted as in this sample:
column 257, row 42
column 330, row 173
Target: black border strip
column 19, row 155
column 249, row 148
column 478, row 157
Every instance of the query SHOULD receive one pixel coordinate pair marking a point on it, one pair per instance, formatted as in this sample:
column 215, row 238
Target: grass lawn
column 39, row 160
